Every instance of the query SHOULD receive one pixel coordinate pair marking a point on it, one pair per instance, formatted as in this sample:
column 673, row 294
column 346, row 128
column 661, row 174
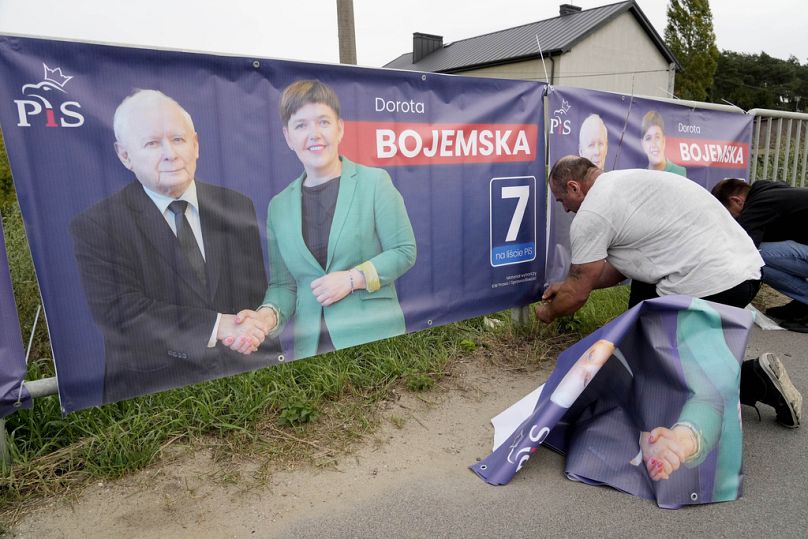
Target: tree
column 761, row 81
column 690, row 36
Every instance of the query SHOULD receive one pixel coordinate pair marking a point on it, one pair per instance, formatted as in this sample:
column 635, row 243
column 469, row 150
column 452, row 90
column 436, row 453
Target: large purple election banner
column 164, row 192
column 647, row 404
column 12, row 358
column 617, row 131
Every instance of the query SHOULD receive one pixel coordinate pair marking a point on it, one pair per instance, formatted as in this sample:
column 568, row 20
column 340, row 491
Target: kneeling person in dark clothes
column 670, row 237
column 774, row 214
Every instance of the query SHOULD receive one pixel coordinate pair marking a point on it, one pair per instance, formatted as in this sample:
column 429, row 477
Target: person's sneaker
column 780, row 392
column 790, row 311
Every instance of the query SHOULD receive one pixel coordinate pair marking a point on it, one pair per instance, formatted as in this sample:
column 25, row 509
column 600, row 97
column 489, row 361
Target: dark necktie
column 187, row 240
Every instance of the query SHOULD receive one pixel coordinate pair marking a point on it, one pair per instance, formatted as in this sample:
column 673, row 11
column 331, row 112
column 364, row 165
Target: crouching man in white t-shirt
column 670, row 236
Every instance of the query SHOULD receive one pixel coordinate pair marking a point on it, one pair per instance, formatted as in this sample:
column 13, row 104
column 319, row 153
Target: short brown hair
column 303, row 92
column 728, row 188
column 570, row 168
column 652, row 118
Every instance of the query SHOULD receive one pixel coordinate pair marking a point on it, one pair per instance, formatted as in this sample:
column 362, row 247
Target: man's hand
column 566, row 297
column 551, row 292
column 334, row 286
column 543, row 310
column 245, row 331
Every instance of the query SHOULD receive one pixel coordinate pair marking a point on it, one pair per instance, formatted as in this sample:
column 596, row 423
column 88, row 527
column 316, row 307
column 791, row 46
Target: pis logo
column 68, row 114
column 558, row 122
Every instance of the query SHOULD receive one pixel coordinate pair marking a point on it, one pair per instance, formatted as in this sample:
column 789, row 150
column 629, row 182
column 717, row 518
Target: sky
column 308, row 30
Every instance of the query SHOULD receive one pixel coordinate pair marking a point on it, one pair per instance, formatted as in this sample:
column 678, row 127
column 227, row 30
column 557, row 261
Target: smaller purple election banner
column 664, row 373
column 13, row 394
column 617, row 131
column 436, row 213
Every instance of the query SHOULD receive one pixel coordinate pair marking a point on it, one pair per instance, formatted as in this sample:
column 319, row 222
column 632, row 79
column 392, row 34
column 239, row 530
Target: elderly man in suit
column 165, row 259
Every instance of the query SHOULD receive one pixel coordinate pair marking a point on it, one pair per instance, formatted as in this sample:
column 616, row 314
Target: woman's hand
column 334, row 286
column 664, row 450
column 245, row 331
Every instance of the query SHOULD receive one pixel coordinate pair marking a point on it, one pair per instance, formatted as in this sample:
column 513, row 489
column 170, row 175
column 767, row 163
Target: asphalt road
column 541, row 502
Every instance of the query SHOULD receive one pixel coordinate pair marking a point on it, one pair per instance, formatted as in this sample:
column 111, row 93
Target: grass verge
column 310, row 410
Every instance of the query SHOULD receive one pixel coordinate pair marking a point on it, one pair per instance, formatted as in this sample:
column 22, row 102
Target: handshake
column 664, row 450
column 244, row 332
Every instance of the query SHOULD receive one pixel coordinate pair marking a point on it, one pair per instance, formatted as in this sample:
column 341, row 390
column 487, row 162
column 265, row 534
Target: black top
column 775, row 211
column 319, row 203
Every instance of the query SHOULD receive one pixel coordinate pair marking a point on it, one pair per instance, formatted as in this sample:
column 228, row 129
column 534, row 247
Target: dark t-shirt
column 318, row 213
column 775, row 211
column 319, row 203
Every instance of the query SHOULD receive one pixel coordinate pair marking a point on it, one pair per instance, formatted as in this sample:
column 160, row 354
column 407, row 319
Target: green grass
column 307, row 402
column 603, row 305
column 51, row 452
column 311, row 409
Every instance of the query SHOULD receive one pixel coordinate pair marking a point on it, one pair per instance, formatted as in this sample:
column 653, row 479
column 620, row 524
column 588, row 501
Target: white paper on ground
column 761, row 320
column 509, row 420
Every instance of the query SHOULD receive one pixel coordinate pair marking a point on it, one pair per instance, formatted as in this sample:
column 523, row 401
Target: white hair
column 594, row 118
column 120, row 121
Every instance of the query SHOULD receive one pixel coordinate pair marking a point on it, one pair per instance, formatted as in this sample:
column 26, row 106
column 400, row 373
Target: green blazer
column 670, row 166
column 370, row 229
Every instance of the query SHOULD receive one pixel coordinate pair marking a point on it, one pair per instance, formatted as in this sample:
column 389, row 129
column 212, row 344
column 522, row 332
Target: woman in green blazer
column 652, row 140
column 339, row 236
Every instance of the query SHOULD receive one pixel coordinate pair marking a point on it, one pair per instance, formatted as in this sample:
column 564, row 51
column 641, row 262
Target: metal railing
column 779, row 146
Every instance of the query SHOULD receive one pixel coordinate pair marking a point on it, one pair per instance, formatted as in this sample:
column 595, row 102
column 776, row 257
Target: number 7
column 522, row 192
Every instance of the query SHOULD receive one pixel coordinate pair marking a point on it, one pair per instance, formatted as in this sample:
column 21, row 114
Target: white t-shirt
column 660, row 228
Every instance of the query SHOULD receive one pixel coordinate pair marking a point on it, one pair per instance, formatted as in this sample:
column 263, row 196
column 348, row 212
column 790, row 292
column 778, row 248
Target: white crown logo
column 55, row 76
column 565, row 106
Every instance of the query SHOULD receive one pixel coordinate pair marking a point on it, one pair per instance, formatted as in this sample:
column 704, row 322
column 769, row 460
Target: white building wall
column 620, row 57
column 616, row 57
column 527, row 70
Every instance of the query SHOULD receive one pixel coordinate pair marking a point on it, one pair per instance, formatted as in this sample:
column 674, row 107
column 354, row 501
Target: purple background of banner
column 12, row 354
column 622, row 115
column 60, row 172
column 624, row 405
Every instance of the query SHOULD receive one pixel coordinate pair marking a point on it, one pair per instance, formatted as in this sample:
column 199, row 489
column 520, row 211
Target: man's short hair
column 570, row 168
column 652, row 118
column 301, row 93
column 120, row 121
column 729, row 187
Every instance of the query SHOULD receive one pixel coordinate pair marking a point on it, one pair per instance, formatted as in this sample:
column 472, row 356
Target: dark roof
column 557, row 35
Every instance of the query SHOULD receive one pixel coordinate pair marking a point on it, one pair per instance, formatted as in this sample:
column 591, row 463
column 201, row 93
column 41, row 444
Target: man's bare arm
column 566, row 297
column 609, row 276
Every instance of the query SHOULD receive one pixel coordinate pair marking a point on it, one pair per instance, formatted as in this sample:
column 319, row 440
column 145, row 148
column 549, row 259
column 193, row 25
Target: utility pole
column 347, row 34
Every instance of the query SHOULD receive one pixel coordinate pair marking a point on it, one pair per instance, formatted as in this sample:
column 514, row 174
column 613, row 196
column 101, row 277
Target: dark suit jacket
column 155, row 315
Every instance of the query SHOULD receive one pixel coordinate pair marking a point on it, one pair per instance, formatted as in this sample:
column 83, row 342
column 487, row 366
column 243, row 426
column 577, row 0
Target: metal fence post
column 36, row 388
column 520, row 316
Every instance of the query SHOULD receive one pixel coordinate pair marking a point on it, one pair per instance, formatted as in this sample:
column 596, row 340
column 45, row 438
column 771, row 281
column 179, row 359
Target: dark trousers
column 752, row 388
column 737, row 296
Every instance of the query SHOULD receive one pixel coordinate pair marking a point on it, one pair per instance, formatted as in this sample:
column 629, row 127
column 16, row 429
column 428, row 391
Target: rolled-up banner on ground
column 13, row 394
column 669, row 366
column 617, row 131
column 353, row 204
